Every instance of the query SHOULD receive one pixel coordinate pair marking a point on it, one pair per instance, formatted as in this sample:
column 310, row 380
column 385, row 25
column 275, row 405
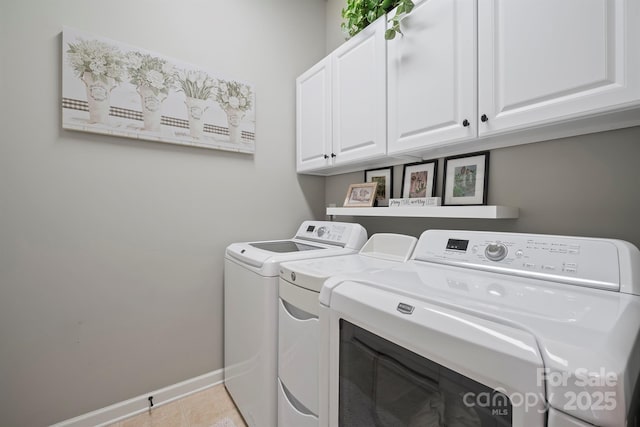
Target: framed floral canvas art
column 112, row 88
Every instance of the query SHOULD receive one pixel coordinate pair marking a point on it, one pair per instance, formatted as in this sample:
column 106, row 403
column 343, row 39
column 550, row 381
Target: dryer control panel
column 581, row 261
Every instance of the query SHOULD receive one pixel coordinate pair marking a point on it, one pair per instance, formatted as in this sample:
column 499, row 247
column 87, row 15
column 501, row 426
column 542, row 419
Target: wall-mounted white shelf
column 478, row 212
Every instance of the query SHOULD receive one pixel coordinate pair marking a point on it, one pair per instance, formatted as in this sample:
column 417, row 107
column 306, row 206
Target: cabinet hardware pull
column 484, row 118
column 465, row 123
column 325, row 156
column 333, row 155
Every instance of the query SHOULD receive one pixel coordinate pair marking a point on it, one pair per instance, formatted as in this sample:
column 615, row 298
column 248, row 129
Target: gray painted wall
column 111, row 249
column 585, row 185
column 335, row 36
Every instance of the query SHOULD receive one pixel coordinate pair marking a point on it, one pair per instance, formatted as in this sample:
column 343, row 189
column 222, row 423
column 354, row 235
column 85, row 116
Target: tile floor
column 212, row 407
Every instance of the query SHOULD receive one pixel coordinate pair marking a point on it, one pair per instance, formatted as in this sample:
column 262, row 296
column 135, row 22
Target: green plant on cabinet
column 358, row 14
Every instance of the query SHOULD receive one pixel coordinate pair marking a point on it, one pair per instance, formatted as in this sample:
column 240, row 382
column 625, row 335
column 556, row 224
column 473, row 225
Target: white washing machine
column 487, row 329
column 298, row 331
column 251, row 310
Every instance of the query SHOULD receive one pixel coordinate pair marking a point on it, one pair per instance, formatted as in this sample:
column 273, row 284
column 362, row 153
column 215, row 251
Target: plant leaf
column 408, row 6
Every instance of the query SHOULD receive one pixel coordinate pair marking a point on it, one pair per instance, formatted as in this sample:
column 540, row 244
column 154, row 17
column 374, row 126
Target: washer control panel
column 589, row 262
column 337, row 233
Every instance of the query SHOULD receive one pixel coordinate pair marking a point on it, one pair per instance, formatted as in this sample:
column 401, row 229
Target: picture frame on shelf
column 466, row 179
column 384, row 190
column 361, row 195
column 419, row 179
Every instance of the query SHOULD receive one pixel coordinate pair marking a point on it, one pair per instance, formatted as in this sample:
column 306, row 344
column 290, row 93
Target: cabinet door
column 542, row 61
column 313, row 117
column 432, row 76
column 359, row 96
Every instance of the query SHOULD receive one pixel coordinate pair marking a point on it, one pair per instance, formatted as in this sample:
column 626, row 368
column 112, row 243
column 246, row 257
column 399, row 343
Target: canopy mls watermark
column 587, row 393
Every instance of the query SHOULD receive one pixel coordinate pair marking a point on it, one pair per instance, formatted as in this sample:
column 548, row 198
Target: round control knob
column 496, row 251
column 322, row 231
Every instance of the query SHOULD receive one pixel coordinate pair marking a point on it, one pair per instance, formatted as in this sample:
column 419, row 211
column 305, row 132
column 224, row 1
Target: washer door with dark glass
column 408, row 362
column 383, row 384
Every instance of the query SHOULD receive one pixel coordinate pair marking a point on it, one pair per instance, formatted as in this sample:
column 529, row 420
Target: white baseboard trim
column 128, row 408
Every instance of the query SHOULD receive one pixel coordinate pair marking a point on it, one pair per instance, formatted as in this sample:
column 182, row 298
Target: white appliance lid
column 284, row 246
column 382, row 250
column 311, row 235
column 312, row 273
column 313, row 239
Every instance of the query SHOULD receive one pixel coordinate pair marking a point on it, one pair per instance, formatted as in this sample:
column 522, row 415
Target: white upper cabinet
column 471, row 75
column 431, row 77
column 341, row 106
column 359, row 96
column 313, row 117
column 542, row 61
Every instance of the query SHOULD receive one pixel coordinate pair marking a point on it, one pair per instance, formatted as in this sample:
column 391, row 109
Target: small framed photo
column 466, row 179
column 384, row 178
column 361, row 195
column 419, row 179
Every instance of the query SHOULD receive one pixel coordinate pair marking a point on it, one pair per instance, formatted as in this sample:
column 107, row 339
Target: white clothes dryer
column 298, row 331
column 251, row 310
column 487, row 329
